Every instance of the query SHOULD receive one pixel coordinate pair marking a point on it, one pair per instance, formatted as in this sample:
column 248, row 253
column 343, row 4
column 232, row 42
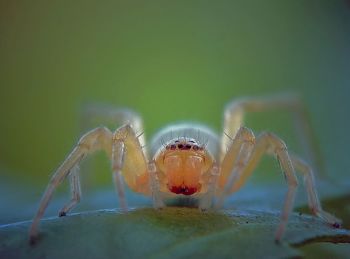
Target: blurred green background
column 170, row 61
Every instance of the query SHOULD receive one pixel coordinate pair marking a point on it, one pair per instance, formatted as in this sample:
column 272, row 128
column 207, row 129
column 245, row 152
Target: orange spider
column 189, row 159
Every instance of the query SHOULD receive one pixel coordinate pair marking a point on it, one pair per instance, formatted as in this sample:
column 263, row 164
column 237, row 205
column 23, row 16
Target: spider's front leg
column 94, row 114
column 157, row 198
column 99, row 138
column 231, row 180
column 235, row 159
column 129, row 162
column 268, row 143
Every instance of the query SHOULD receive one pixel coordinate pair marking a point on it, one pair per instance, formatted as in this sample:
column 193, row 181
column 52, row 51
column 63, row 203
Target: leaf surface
column 177, row 232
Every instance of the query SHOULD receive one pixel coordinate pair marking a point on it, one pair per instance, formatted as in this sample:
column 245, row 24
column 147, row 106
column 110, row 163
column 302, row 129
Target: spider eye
column 187, row 146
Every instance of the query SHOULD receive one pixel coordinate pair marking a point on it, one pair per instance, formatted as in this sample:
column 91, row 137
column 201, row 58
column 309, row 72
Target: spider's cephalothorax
column 183, row 162
column 189, row 159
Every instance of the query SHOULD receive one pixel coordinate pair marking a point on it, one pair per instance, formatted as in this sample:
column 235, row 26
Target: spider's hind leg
column 94, row 114
column 236, row 110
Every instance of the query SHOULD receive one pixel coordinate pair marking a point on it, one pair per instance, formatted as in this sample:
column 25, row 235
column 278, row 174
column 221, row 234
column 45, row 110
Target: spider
column 191, row 160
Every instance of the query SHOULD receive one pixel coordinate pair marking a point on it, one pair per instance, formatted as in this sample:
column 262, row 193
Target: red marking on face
column 183, row 190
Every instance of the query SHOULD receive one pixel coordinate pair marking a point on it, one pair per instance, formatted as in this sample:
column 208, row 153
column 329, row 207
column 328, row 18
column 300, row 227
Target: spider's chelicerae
column 190, row 159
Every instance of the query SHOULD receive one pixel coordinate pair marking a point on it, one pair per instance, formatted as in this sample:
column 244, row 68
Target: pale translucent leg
column 118, row 152
column 95, row 114
column 109, row 115
column 157, row 198
column 234, row 119
column 313, row 200
column 271, row 144
column 235, row 159
column 74, row 182
column 128, row 156
column 205, row 201
column 99, row 114
column 133, row 163
column 99, row 138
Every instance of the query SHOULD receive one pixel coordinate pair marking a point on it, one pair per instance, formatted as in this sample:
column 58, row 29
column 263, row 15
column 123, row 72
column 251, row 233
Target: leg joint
column 122, row 132
column 293, row 182
column 274, row 141
column 247, row 135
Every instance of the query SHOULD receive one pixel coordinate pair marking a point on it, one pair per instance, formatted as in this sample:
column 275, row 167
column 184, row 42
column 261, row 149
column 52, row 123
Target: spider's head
column 183, row 162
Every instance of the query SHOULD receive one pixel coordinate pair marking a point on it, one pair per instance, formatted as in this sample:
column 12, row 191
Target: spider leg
column 157, row 198
column 113, row 116
column 94, row 114
column 234, row 119
column 234, row 161
column 205, row 201
column 118, row 152
column 270, row 144
column 100, row 114
column 99, row 138
column 74, row 182
column 129, row 162
column 313, row 200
